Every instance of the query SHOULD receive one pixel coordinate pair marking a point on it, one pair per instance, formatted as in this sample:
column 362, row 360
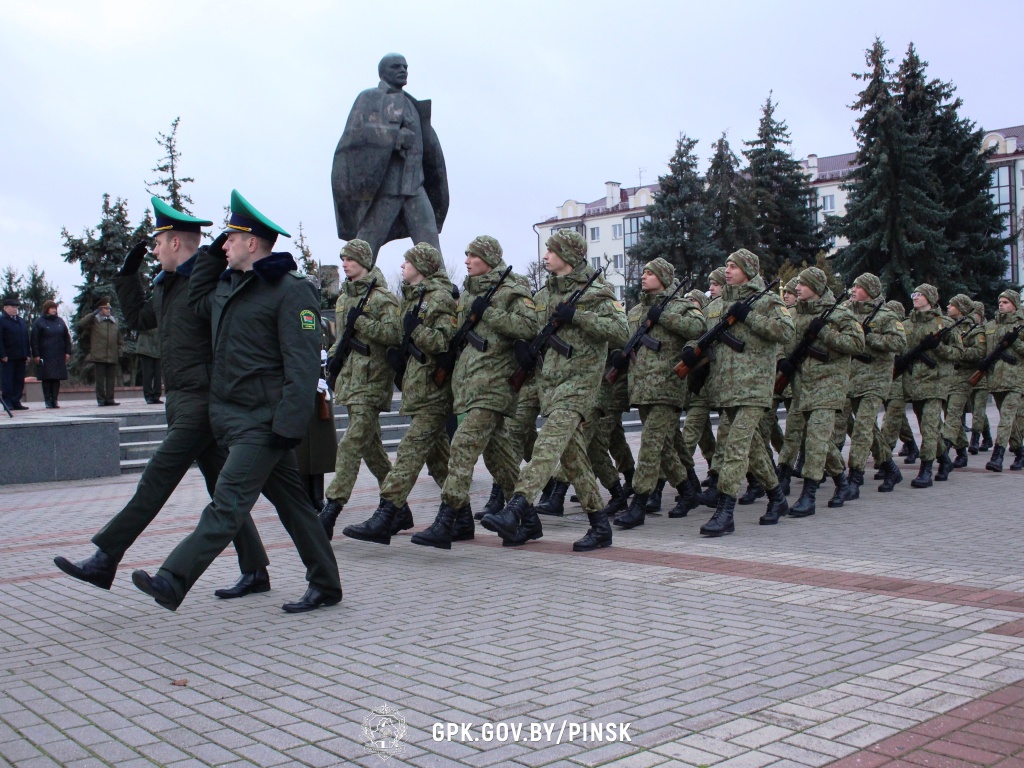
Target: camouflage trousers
column 776, row 437
column 361, row 442
column 697, row 432
column 929, row 421
column 1009, row 405
column 953, row 424
column 979, row 411
column 561, row 440
column 522, row 427
column 820, row 453
column 658, row 456
column 606, row 440
column 865, row 436
column 741, row 449
column 895, row 425
column 481, row 432
column 793, row 443
column 425, row 442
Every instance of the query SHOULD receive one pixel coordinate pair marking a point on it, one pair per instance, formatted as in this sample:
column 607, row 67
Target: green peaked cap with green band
column 245, row 218
column 168, row 218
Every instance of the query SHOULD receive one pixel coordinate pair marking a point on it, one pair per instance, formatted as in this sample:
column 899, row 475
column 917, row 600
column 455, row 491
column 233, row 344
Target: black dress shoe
column 253, row 582
column 310, row 601
column 157, row 588
column 98, row 570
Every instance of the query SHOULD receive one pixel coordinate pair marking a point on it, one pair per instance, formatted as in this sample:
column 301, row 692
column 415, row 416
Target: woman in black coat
column 51, row 351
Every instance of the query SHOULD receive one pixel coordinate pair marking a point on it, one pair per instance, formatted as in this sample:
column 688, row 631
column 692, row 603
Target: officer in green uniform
column 972, row 336
column 366, row 383
column 430, row 330
column 266, row 346
column 568, row 392
column 1005, row 380
column 187, row 354
column 483, row 398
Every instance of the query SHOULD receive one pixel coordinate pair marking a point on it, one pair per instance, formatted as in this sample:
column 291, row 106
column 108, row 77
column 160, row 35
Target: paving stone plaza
column 890, row 632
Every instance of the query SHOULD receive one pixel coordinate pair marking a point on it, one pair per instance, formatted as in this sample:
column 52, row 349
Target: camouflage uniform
column 1005, row 381
column 972, row 336
column 894, row 422
column 697, row 425
column 366, row 382
column 979, row 398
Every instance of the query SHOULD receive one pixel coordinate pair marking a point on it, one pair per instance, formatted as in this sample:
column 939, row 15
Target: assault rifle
column 528, row 353
column 790, row 365
column 702, row 349
column 905, row 363
column 865, row 326
column 999, row 353
column 465, row 335
column 641, row 336
column 398, row 356
column 348, row 341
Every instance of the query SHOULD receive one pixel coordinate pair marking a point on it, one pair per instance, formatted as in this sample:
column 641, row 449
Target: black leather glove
column 563, row 314
column 333, row 365
column 217, row 246
column 930, row 342
column 284, row 443
column 133, row 260
column 478, row 307
column 351, row 317
column 786, row 368
column 690, row 358
column 524, row 355
column 619, row 360
column 817, row 325
column 739, row 310
column 654, row 314
column 410, row 321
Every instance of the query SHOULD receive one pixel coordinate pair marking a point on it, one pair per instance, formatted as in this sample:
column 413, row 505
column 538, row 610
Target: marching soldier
column 1005, row 380
column 894, row 420
column 972, row 336
column 365, row 381
column 981, row 434
column 698, row 415
column 793, row 441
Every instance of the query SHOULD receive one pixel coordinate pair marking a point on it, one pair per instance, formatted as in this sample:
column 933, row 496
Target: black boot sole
column 360, row 536
column 717, row 534
column 434, row 544
column 577, row 548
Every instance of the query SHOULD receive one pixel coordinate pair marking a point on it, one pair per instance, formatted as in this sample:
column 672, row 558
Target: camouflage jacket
column 440, row 321
column 571, row 383
column 613, row 398
column 707, row 396
column 887, row 338
column 973, row 340
column 1003, row 377
column 480, row 379
column 747, row 378
column 652, row 380
column 823, row 383
column 368, row 379
column 924, row 383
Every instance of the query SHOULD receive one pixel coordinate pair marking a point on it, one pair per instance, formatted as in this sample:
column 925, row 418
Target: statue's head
column 394, row 70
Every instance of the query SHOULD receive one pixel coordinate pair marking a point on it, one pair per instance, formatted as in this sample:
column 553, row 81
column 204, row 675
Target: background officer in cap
column 15, row 350
column 430, row 324
column 188, row 354
column 366, row 383
column 266, row 348
column 102, row 336
column 1005, row 380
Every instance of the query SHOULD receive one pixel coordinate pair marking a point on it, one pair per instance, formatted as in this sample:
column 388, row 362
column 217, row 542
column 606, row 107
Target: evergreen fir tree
column 892, row 222
column 680, row 227
column 172, row 182
column 37, row 290
column 780, row 196
column 732, row 219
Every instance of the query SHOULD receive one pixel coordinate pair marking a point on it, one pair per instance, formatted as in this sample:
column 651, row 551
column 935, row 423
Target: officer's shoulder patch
column 529, row 303
column 307, row 318
column 619, row 306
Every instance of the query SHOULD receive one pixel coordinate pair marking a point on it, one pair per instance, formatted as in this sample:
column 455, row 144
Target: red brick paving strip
column 985, row 732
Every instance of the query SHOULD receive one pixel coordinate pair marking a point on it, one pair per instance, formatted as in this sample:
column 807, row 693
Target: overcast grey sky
column 534, row 102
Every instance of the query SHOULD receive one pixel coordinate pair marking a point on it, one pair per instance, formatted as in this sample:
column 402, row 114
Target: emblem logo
column 384, row 729
column 308, row 319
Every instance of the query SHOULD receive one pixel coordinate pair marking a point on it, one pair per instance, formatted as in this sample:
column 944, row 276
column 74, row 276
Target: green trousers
column 249, row 469
column 865, row 436
column 106, row 379
column 929, row 421
column 480, row 432
column 953, row 423
column 796, row 424
column 561, row 440
column 741, row 448
column 522, row 427
column 979, row 410
column 425, row 442
column 361, row 442
column 598, row 432
column 820, row 453
column 697, row 432
column 658, row 456
column 1009, row 405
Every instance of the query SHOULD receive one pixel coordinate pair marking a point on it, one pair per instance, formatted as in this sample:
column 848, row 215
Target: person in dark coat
column 14, row 354
column 51, row 351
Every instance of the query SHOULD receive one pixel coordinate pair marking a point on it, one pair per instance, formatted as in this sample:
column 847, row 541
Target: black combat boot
column 961, row 458
column 439, row 534
column 463, row 529
column 633, row 516
column 777, row 506
column 619, row 500
column 329, row 515
column 995, row 464
column 495, row 502
column 986, row 439
column 529, row 526
column 98, row 570
column 784, row 473
column 913, row 452
column 804, row 506
column 798, row 468
column 403, row 520
column 688, row 491
column 654, row 498
column 857, row 478
column 945, row 463
column 707, row 480
column 506, row 522
column 879, row 470
column 892, row 478
column 1018, row 462
column 924, row 476
column 754, row 492
column 599, row 535
column 378, row 528
column 844, row 491
column 555, row 502
column 721, row 522
column 709, row 496
column 546, row 491
column 975, row 441
column 628, row 487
